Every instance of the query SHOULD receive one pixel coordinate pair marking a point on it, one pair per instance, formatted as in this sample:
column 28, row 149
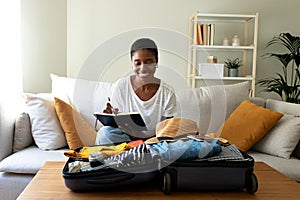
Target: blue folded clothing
column 187, row 149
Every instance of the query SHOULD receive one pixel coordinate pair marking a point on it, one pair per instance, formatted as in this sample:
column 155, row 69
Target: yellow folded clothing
column 106, row 150
column 213, row 135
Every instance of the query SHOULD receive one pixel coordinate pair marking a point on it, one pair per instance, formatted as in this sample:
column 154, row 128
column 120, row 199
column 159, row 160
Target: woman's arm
column 170, row 107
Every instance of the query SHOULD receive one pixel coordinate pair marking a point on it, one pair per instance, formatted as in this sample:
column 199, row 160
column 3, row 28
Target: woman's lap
column 111, row 135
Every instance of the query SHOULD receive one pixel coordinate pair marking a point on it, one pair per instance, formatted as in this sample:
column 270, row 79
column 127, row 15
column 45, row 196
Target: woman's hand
column 109, row 109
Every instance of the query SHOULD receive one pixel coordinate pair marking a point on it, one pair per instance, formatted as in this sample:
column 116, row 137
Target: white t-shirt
column 162, row 104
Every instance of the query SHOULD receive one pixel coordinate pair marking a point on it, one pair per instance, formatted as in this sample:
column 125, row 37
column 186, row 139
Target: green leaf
column 278, row 84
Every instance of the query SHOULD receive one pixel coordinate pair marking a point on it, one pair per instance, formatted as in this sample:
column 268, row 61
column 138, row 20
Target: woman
column 141, row 92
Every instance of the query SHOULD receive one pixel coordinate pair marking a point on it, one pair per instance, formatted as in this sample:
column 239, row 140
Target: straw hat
column 173, row 128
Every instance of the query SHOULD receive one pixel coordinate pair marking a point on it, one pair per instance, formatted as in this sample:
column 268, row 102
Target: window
column 10, row 49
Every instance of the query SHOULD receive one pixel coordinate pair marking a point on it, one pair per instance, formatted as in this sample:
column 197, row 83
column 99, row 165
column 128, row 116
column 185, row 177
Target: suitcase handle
column 109, row 180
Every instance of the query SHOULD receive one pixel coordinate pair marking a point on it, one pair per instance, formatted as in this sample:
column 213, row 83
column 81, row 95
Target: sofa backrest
column 258, row 101
column 209, row 106
column 283, row 107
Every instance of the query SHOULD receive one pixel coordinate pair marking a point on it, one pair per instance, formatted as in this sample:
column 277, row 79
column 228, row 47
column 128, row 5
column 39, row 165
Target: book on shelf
column 208, row 34
column 205, row 34
column 122, row 119
column 199, row 34
column 205, row 27
column 197, row 38
column 212, row 34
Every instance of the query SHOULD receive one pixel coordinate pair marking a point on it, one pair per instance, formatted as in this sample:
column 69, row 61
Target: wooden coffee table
column 49, row 184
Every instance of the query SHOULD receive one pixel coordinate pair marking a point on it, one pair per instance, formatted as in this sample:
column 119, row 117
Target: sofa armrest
column 8, row 113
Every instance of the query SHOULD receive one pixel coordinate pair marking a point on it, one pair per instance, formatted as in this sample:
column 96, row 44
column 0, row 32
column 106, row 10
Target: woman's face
column 144, row 64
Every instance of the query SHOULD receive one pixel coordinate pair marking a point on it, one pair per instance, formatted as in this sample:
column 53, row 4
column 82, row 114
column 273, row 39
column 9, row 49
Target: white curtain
column 10, row 49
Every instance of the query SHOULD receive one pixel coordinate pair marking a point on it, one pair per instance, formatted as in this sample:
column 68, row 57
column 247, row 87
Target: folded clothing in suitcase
column 229, row 170
column 141, row 163
column 132, row 167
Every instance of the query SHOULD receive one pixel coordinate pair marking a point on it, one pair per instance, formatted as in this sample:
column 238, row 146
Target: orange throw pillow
column 247, row 124
column 78, row 132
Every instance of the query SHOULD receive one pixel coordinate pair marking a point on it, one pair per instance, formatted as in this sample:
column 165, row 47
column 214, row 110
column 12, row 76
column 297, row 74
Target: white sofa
column 22, row 154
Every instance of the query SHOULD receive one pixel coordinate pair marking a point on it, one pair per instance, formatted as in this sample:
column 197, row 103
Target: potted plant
column 232, row 65
column 287, row 83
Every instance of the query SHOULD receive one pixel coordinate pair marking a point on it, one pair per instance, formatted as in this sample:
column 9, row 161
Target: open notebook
column 132, row 119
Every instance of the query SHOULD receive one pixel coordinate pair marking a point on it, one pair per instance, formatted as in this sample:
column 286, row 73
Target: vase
column 225, row 42
column 233, row 72
column 235, row 41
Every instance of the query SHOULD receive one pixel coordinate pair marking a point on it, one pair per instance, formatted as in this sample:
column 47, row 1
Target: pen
column 114, row 110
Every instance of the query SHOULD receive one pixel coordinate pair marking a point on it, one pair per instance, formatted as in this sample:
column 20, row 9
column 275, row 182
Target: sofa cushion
column 282, row 138
column 23, row 137
column 289, row 167
column 46, row 129
column 78, row 132
column 248, row 124
column 209, row 106
column 26, row 162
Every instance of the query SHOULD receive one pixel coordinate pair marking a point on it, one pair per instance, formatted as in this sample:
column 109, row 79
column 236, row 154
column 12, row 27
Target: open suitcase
column 222, row 172
column 230, row 170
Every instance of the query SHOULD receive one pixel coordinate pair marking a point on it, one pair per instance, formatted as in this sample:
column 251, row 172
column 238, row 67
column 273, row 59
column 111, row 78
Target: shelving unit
column 245, row 26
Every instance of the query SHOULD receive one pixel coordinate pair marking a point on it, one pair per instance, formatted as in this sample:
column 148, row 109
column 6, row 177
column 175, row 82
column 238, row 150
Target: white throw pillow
column 23, row 137
column 45, row 126
column 85, row 96
column 282, row 139
column 210, row 106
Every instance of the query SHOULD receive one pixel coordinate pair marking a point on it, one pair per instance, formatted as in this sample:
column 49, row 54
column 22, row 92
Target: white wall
column 94, row 22
column 44, row 42
column 99, row 24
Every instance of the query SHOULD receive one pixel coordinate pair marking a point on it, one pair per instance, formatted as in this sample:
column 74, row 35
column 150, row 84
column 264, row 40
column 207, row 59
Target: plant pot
column 233, row 72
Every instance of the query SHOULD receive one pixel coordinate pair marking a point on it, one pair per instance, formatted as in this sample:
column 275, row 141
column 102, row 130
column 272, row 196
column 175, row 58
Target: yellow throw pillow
column 247, row 124
column 78, row 132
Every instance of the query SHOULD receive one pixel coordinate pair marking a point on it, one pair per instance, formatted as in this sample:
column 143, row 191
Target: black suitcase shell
column 109, row 177
column 210, row 175
column 106, row 178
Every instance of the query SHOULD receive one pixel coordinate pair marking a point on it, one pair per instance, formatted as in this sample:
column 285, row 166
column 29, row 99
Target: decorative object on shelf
column 235, row 41
column 211, row 70
column 225, row 42
column 233, row 66
column 287, row 84
column 212, row 59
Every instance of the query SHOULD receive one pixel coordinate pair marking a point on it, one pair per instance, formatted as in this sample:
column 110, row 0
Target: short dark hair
column 144, row 43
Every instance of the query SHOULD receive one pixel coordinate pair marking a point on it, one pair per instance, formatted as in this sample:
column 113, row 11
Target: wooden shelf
column 247, row 52
column 251, row 47
column 226, row 78
column 232, row 18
